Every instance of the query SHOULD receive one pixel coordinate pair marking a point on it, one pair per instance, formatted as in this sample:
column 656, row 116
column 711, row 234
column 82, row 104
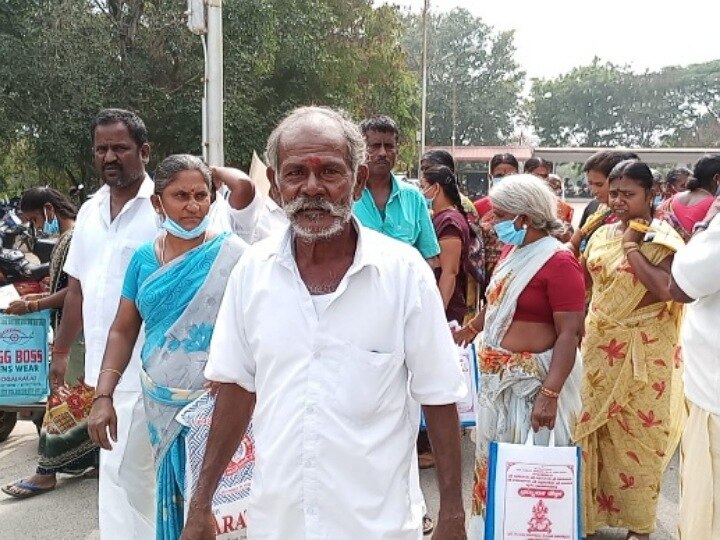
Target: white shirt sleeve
column 230, row 359
column 696, row 267
column 430, row 352
column 73, row 261
column 245, row 221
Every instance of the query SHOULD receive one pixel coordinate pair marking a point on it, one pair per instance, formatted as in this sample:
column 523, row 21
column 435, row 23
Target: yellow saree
column 632, row 394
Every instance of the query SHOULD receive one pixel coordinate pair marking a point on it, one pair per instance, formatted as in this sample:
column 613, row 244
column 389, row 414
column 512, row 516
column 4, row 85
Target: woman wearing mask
column 453, row 232
column 531, row 329
column 501, row 165
column 442, row 157
column 68, row 450
column 632, row 393
column 173, row 285
column 542, row 169
column 440, row 189
column 687, row 208
column 597, row 213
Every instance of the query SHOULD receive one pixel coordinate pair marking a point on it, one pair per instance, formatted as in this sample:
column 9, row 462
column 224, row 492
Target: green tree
column 474, row 82
column 607, row 105
column 63, row 60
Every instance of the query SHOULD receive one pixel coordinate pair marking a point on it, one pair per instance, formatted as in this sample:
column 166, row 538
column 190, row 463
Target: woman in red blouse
column 531, row 324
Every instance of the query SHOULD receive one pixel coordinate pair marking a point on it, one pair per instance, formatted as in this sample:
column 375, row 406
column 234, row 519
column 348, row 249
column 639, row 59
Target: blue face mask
column 508, row 234
column 178, row 231
column 497, row 179
column 658, row 200
column 428, row 200
column 51, row 227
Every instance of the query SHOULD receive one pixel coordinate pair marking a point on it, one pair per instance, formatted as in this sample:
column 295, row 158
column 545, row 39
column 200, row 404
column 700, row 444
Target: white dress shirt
column 335, row 426
column 696, row 268
column 98, row 257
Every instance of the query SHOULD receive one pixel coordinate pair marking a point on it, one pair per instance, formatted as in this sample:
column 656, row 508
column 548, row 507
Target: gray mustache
column 314, row 203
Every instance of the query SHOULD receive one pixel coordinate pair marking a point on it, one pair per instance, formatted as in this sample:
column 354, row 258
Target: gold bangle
column 630, row 245
column 629, row 251
column 552, row 394
column 111, row 370
column 470, row 324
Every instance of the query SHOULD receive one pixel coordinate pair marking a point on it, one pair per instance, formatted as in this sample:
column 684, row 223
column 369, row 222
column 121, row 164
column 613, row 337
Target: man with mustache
column 330, row 378
column 387, row 205
column 109, row 227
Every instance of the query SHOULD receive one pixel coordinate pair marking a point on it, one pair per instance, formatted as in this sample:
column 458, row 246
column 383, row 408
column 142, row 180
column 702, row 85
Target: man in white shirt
column 109, row 228
column 695, row 274
column 322, row 331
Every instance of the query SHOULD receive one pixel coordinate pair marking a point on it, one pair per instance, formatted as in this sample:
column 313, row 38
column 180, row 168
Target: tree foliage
column 607, row 105
column 63, row 60
column 473, row 79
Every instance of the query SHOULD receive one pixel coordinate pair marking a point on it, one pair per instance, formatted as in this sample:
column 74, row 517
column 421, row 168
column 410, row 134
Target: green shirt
column 406, row 217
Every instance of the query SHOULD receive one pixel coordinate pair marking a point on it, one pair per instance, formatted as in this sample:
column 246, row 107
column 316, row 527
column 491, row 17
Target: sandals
column 427, row 524
column 29, row 490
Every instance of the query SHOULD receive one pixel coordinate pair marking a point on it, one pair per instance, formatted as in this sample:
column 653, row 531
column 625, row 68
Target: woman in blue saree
column 174, row 286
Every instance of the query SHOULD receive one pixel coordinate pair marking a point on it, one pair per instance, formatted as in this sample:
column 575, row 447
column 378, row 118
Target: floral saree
column 179, row 304
column 509, row 382
column 632, row 393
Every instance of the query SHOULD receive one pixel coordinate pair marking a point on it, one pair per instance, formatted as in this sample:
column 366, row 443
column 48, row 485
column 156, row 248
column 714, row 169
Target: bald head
column 309, row 122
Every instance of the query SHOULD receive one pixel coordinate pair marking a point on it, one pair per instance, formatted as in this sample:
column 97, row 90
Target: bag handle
column 531, row 438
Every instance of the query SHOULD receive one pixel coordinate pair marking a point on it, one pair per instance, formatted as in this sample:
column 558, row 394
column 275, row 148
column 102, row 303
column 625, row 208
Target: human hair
column 380, row 123
column 536, row 162
column 169, row 167
column 705, row 171
column 635, row 170
column 440, row 157
column 527, row 195
column 350, row 132
column 132, row 122
column 675, row 174
column 444, row 177
column 604, row 162
column 35, row 199
column 499, row 159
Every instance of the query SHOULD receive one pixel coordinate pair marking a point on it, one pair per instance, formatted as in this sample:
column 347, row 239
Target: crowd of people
column 330, row 315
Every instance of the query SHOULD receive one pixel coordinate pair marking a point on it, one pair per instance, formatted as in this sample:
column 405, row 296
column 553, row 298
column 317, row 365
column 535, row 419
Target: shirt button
column 311, row 409
column 316, row 355
column 308, row 463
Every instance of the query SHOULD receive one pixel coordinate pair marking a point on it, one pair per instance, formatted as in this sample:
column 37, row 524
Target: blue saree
column 179, row 303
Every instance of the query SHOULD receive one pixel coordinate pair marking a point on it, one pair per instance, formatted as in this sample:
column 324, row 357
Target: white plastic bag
column 533, row 492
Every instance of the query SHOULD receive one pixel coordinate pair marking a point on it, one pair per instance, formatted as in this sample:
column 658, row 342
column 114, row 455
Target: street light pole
column 423, row 105
column 214, row 74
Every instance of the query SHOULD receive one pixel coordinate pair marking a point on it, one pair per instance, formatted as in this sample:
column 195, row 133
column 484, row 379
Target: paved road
column 69, row 512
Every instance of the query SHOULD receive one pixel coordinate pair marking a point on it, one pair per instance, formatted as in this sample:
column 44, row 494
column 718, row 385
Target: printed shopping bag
column 230, row 499
column 24, row 358
column 467, row 407
column 533, row 492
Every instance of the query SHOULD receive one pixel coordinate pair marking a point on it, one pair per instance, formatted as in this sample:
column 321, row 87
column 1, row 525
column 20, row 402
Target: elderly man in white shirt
column 322, row 331
column 695, row 274
column 109, row 228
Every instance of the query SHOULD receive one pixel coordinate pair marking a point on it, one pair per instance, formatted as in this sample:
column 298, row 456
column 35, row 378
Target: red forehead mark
column 313, row 161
